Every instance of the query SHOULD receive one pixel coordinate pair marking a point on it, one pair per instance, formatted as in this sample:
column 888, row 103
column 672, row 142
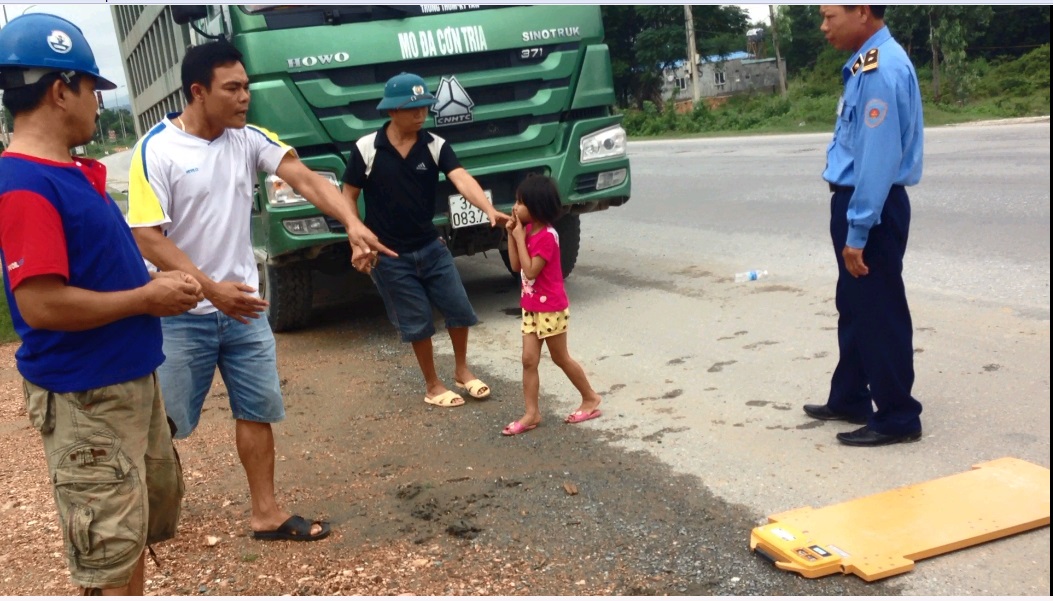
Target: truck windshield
column 288, row 16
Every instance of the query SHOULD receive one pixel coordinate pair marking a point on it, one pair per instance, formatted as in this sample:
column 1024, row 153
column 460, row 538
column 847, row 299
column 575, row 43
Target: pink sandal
column 516, row 428
column 582, row 416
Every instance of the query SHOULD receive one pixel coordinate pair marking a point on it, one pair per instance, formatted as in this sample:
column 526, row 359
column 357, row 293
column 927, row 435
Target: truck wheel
column 288, row 289
column 508, row 264
column 569, row 228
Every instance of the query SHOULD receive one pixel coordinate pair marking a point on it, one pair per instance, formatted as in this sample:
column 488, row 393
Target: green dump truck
column 521, row 90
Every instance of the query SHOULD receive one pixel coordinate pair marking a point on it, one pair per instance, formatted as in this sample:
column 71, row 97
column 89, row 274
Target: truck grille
column 517, row 114
column 585, row 183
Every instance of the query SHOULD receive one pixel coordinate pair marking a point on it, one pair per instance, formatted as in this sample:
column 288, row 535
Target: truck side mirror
column 184, row 13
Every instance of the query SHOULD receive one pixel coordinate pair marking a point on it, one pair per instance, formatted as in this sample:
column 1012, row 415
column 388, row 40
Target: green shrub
column 7, row 330
column 992, row 89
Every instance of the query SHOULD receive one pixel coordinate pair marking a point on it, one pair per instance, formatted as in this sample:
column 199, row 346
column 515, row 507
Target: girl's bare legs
column 531, row 380
column 557, row 347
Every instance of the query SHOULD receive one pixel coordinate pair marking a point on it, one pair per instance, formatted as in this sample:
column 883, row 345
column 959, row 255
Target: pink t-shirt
column 545, row 293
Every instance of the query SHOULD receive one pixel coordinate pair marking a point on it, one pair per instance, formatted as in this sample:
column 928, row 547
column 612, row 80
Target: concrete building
column 723, row 75
column 151, row 44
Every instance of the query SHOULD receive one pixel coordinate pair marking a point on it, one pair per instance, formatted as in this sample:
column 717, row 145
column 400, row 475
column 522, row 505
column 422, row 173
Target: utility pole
column 775, row 42
column 120, row 115
column 692, row 53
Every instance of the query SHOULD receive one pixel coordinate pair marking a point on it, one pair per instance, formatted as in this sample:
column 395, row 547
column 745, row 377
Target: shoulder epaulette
column 856, row 65
column 870, row 60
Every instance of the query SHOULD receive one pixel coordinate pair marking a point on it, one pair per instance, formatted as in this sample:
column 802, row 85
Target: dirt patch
column 423, row 500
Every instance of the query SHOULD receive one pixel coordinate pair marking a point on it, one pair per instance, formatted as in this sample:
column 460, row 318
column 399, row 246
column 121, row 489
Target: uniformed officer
column 875, row 153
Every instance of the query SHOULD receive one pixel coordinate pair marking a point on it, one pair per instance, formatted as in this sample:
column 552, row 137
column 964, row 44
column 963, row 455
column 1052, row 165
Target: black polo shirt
column 400, row 192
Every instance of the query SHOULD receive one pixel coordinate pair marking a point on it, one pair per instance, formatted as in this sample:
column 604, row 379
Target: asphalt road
column 709, row 375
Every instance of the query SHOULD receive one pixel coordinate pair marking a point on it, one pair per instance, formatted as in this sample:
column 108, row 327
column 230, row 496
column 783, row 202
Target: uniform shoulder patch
column 870, row 60
column 874, row 112
column 857, row 65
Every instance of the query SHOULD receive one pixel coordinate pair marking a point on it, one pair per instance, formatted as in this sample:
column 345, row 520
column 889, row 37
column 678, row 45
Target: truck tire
column 569, row 229
column 508, row 265
column 288, row 289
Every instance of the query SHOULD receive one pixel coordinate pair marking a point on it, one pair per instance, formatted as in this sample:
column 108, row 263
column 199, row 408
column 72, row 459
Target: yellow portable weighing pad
column 882, row 535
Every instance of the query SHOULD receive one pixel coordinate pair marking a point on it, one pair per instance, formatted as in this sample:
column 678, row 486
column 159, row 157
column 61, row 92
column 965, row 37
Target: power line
column 1004, row 47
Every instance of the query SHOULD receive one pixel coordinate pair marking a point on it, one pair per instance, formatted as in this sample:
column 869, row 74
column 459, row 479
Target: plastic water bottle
column 749, row 276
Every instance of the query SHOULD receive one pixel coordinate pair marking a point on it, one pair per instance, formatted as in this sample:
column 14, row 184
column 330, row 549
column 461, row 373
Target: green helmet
column 405, row 91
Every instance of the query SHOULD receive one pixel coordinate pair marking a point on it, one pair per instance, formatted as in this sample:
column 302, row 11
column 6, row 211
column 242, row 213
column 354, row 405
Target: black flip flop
column 295, row 528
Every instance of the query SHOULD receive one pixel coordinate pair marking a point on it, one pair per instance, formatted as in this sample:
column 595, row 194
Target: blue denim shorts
column 194, row 345
column 413, row 282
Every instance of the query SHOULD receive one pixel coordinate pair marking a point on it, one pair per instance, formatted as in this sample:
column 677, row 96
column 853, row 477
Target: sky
column 95, row 22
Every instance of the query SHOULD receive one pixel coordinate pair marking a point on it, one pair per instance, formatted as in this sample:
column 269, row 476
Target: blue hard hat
column 38, row 43
column 405, row 91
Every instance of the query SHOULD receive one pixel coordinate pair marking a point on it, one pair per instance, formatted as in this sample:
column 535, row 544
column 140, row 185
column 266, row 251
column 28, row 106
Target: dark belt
column 850, row 189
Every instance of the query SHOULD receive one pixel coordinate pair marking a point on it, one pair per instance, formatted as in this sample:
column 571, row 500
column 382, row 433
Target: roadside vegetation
column 974, row 62
column 7, row 331
column 999, row 88
column 96, row 150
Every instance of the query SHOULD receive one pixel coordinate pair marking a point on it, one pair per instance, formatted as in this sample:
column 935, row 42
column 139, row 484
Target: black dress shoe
column 865, row 437
column 824, row 413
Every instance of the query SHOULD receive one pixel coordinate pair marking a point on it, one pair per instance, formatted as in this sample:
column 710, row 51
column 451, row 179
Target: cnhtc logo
column 60, row 42
column 452, row 104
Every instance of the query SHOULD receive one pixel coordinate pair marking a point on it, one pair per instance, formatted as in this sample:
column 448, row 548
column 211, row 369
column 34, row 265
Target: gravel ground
column 423, row 500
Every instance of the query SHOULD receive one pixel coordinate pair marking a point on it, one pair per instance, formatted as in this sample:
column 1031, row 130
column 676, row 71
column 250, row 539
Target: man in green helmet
column 398, row 167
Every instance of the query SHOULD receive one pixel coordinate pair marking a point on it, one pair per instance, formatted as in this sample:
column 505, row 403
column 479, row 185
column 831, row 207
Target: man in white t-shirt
column 189, row 204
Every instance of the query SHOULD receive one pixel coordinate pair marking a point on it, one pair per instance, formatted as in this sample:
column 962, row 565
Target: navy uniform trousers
column 874, row 330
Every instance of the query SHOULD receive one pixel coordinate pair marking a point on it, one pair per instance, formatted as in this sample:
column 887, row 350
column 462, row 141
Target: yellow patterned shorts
column 545, row 324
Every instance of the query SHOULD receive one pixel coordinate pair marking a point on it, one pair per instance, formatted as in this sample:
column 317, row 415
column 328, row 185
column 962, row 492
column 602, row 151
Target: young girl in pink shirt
column 533, row 250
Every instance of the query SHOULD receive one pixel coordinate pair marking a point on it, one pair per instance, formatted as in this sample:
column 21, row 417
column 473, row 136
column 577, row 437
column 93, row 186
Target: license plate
column 464, row 213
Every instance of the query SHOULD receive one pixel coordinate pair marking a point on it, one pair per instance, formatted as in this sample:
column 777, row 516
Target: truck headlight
column 604, row 144
column 281, row 194
column 303, row 227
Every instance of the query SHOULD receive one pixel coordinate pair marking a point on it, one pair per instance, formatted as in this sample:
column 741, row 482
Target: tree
column 117, row 120
column 643, row 39
column 949, row 30
column 720, row 29
column 800, row 40
column 1013, row 31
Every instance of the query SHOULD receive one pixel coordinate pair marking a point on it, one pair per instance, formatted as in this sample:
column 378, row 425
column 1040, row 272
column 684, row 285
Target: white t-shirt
column 200, row 194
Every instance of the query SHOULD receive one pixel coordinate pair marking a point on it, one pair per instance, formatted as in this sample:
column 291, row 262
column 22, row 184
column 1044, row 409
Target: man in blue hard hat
column 88, row 314
column 398, row 167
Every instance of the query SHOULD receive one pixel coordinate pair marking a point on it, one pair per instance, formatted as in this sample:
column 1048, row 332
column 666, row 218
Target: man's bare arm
column 324, row 195
column 473, row 193
column 232, row 298
column 48, row 303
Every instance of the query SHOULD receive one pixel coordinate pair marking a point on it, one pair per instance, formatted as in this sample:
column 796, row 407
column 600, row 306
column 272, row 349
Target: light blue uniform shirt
column 878, row 138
